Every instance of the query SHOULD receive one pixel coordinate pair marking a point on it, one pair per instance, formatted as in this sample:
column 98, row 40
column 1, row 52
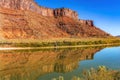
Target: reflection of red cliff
column 13, row 59
column 22, row 19
column 25, row 64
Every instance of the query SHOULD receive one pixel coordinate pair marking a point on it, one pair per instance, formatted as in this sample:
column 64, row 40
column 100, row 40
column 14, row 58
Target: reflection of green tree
column 30, row 64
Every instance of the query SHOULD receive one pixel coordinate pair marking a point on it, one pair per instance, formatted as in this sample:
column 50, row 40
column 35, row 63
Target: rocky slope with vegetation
column 24, row 19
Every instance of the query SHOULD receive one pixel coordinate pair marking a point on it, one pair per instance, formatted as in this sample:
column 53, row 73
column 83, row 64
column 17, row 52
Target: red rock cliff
column 86, row 22
column 65, row 12
column 23, row 19
column 26, row 5
column 31, row 5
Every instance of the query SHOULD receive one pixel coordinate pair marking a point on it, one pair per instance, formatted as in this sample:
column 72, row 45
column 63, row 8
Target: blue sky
column 105, row 13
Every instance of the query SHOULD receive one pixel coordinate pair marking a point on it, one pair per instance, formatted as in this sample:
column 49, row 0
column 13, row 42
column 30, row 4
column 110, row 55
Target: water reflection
column 31, row 64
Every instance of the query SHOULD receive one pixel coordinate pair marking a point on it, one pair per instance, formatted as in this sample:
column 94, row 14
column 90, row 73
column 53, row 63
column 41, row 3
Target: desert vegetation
column 102, row 73
column 60, row 42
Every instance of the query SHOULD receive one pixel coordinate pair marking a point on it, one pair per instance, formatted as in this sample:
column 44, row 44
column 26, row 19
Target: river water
column 47, row 64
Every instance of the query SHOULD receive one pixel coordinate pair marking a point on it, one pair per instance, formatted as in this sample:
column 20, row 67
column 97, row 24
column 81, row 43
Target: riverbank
column 102, row 73
column 57, row 47
column 58, row 43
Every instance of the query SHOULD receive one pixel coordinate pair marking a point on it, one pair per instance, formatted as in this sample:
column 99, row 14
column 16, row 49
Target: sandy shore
column 13, row 48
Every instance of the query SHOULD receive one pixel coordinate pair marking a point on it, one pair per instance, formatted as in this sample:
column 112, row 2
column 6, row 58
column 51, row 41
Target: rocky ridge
column 22, row 19
column 31, row 5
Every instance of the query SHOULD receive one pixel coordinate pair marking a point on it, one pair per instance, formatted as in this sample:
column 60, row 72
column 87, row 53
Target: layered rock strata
column 23, row 19
column 31, row 5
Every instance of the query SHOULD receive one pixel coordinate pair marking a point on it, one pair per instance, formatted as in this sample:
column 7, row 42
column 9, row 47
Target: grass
column 102, row 73
column 58, row 42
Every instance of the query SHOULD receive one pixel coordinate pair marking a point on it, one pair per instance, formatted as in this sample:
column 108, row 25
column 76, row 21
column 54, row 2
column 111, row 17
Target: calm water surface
column 48, row 64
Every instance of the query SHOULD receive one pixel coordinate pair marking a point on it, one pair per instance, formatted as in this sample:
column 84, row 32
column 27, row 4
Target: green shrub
column 102, row 73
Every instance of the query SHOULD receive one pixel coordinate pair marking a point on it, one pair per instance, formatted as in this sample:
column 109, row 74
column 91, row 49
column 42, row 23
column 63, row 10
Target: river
column 45, row 64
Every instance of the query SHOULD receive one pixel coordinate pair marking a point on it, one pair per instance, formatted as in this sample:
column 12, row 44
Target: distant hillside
column 23, row 19
column 118, row 36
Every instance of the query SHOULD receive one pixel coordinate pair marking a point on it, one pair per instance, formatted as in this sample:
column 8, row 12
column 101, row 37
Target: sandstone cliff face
column 31, row 5
column 65, row 12
column 20, row 19
column 25, row 5
column 16, row 4
column 86, row 22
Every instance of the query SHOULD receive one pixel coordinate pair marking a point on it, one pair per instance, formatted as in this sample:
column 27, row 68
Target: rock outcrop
column 65, row 12
column 24, row 19
column 86, row 22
